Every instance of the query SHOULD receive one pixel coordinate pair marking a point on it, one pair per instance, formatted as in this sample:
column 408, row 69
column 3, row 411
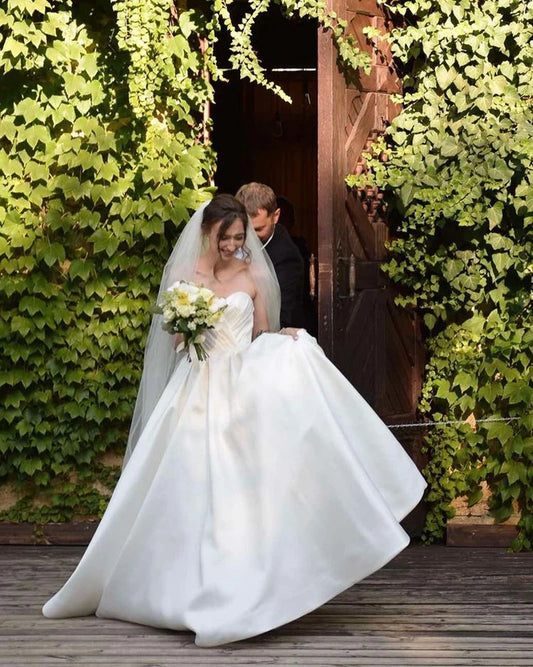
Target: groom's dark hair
column 255, row 196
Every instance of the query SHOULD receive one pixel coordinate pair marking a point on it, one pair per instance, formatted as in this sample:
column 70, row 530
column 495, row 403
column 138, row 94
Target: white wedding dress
column 262, row 486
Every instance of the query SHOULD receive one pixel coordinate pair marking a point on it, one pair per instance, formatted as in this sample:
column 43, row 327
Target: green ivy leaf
column 29, row 109
column 494, row 215
column 519, row 392
column 32, row 305
column 499, row 431
column 502, row 261
column 500, row 172
column 104, row 241
column 35, row 134
column 430, row 320
column 475, row 496
column 80, row 268
column 52, row 253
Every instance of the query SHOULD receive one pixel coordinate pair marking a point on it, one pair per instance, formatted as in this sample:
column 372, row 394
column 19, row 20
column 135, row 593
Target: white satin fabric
column 262, row 486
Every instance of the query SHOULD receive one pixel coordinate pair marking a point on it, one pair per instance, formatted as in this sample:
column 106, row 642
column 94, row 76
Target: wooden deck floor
column 431, row 606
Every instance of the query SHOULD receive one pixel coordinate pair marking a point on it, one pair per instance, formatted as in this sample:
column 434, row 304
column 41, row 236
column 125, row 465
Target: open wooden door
column 376, row 345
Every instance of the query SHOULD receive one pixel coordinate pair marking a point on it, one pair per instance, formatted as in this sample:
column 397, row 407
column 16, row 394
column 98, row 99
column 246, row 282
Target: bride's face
column 231, row 239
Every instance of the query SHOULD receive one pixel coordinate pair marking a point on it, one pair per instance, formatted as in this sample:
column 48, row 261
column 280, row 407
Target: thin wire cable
column 454, row 421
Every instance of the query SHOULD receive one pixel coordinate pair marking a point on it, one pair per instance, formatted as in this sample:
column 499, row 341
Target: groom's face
column 264, row 223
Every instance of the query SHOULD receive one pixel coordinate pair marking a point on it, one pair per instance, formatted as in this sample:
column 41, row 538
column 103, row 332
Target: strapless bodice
column 233, row 332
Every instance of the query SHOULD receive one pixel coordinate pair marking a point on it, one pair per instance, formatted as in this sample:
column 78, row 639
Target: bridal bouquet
column 190, row 309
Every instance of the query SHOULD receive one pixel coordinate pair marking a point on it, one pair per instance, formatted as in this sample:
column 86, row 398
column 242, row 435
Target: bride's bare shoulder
column 243, row 276
column 241, row 266
column 244, row 270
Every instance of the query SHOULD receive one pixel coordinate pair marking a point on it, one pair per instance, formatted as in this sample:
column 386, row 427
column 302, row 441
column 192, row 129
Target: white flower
column 217, row 305
column 189, row 288
column 190, row 309
column 205, row 293
column 185, row 311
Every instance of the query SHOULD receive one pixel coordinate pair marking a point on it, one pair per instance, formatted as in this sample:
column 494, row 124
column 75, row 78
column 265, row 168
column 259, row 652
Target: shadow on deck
column 430, row 606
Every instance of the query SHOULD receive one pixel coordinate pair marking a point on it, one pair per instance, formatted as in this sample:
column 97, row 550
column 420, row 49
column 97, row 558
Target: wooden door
column 375, row 344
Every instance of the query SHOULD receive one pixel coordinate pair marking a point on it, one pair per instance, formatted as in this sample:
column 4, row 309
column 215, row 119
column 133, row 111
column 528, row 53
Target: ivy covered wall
column 104, row 152
column 458, row 177
column 101, row 159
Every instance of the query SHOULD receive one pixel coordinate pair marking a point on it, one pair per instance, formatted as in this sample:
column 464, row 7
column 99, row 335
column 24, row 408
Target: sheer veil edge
column 159, row 356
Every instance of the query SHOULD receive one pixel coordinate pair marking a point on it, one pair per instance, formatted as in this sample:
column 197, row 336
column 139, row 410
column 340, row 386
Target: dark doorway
column 259, row 137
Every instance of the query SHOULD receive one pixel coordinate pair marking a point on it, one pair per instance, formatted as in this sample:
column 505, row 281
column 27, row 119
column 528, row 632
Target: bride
column 258, row 484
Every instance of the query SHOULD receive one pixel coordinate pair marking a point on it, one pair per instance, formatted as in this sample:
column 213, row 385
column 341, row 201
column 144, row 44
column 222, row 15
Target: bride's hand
column 290, row 331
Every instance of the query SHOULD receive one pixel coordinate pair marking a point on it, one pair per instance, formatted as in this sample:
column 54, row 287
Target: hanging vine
column 99, row 171
column 458, row 181
column 244, row 57
column 102, row 156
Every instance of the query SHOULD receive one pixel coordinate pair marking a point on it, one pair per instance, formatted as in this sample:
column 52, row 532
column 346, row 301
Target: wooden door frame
column 329, row 200
column 341, row 139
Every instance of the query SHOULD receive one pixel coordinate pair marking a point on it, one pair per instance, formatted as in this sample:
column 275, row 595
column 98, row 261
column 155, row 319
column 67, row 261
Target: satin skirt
column 262, row 486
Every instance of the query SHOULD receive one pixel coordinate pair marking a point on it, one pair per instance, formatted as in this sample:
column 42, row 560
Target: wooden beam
column 459, row 534
column 73, row 532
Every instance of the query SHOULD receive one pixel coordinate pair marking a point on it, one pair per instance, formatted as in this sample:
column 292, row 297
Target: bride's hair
column 225, row 209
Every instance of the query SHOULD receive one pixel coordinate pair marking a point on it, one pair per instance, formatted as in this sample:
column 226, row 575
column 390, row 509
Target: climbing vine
column 103, row 154
column 101, row 160
column 456, row 168
column 243, row 56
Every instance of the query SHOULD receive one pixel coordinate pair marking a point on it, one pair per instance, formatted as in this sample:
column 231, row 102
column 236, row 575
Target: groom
column 261, row 206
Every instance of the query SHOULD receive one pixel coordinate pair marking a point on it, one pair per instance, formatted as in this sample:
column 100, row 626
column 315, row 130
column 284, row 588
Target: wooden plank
column 371, row 235
column 480, row 535
column 361, row 128
column 431, row 606
column 72, row 532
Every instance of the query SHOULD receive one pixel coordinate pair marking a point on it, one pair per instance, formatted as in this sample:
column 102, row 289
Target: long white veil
column 159, row 356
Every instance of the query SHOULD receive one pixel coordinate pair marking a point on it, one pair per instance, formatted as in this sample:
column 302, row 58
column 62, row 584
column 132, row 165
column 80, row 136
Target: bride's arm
column 260, row 316
column 261, row 320
column 290, row 331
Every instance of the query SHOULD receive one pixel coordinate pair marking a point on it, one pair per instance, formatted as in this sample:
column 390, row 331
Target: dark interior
column 258, row 136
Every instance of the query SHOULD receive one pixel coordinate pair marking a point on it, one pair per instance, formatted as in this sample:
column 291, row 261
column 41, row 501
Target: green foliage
column 103, row 154
column 243, row 56
column 457, row 175
column 68, row 500
column 101, row 159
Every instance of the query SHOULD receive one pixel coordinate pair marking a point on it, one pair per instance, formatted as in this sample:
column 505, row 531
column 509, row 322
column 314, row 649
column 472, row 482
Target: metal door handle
column 352, row 277
column 312, row 276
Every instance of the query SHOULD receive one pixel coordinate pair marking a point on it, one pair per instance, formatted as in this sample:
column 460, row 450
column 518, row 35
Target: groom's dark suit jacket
column 289, row 266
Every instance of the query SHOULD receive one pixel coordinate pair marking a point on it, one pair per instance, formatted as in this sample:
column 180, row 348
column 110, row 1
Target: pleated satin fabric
column 262, row 486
